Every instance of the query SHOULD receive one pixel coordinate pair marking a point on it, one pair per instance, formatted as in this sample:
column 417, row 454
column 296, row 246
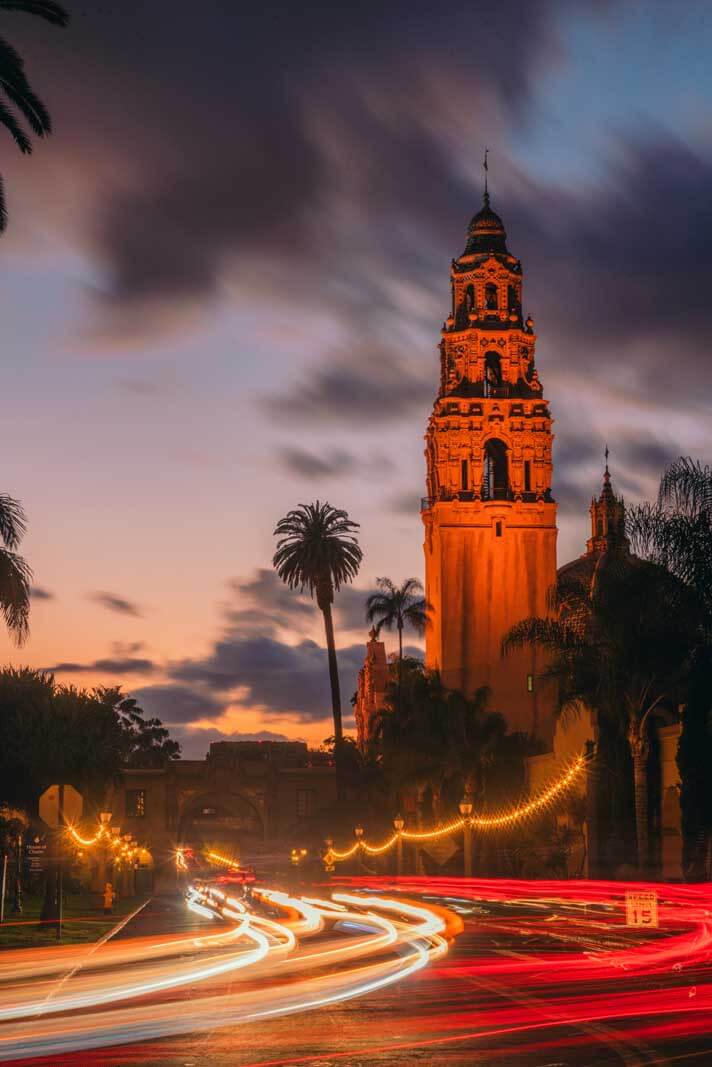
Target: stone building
column 489, row 517
column 371, row 689
column 246, row 800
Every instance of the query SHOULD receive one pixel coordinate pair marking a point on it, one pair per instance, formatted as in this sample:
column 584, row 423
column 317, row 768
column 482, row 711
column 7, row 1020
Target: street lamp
column 466, row 812
column 398, row 824
column 104, row 820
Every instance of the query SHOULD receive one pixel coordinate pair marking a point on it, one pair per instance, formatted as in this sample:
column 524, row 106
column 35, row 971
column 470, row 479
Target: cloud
column 105, row 666
column 372, row 387
column 282, row 679
column 117, row 604
column 308, row 465
column 406, row 502
column 175, row 704
column 38, row 593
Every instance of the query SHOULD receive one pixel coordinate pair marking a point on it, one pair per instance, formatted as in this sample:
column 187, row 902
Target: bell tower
column 490, row 520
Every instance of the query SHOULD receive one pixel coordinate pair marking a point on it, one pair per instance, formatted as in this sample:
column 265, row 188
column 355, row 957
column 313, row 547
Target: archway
column 228, row 824
column 495, row 480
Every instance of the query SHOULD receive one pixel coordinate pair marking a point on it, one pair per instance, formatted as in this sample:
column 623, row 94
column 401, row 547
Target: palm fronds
column 317, row 547
column 13, row 521
column 15, row 581
column 16, row 88
column 398, row 606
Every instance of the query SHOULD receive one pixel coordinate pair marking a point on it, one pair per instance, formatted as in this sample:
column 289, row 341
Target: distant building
column 371, row 690
column 244, row 800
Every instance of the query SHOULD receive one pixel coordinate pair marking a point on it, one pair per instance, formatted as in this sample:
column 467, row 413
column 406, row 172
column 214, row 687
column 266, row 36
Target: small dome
column 486, row 232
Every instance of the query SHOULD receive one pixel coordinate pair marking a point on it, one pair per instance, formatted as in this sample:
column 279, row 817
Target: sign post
column 58, row 805
column 641, row 908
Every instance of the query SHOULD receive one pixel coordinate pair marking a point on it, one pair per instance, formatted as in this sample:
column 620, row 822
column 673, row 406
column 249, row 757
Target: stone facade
column 246, row 799
column 371, row 690
column 490, row 520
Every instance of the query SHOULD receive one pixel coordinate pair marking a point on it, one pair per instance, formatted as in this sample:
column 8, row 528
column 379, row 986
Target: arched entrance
column 225, row 823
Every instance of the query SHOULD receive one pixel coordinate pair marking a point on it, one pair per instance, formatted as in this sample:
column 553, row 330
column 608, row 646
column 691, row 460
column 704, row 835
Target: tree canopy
column 56, row 733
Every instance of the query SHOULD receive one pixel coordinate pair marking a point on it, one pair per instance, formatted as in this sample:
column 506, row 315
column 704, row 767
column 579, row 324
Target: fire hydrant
column 108, row 898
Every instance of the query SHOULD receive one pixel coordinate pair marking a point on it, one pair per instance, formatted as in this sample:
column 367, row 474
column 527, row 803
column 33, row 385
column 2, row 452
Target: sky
column 223, row 283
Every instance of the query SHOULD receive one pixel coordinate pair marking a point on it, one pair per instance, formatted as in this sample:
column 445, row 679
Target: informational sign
column 72, row 805
column 36, row 855
column 641, row 909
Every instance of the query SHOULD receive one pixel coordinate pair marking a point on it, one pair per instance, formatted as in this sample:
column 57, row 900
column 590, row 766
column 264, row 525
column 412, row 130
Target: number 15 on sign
column 641, row 909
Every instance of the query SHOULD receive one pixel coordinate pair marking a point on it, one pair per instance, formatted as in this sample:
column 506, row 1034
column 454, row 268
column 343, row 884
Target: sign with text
column 641, row 909
column 36, row 854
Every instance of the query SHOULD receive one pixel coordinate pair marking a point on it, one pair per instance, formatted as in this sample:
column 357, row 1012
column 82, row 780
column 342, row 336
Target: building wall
column 232, row 801
column 479, row 585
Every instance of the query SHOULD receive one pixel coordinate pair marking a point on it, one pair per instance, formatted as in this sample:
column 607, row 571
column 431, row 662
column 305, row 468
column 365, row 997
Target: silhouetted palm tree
column 17, row 89
column 398, row 606
column 318, row 551
column 676, row 532
column 15, row 573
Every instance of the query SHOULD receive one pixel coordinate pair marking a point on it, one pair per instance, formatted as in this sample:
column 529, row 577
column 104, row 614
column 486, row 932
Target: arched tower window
column 491, row 300
column 495, row 481
column 470, row 297
column 493, row 373
column 512, row 299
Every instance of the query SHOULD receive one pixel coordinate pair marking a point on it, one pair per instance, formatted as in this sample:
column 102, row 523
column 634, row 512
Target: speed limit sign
column 641, row 909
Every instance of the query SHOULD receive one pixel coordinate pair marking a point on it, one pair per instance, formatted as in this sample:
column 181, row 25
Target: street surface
column 423, row 971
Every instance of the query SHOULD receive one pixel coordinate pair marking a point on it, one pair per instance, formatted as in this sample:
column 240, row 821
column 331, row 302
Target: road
column 425, row 971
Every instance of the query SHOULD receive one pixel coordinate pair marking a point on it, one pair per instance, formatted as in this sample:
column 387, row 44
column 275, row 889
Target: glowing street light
column 398, row 824
column 466, row 812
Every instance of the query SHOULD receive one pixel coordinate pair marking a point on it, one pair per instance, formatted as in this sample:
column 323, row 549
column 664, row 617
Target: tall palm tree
column 676, row 532
column 612, row 647
column 15, row 573
column 317, row 551
column 17, row 89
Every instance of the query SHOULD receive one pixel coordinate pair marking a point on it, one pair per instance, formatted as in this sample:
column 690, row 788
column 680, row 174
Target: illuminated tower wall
column 490, row 521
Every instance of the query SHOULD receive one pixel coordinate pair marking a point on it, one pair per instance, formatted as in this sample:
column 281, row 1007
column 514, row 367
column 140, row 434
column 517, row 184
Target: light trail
column 310, row 952
column 393, row 946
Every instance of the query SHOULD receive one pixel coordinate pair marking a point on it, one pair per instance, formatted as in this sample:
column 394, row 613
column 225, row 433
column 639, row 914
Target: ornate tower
column 490, row 521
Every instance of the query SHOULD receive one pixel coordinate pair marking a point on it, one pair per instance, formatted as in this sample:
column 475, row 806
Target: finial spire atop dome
column 486, row 232
column 486, row 168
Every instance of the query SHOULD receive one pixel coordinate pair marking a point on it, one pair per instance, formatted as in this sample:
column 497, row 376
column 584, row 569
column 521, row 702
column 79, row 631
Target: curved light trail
column 349, row 929
column 579, row 974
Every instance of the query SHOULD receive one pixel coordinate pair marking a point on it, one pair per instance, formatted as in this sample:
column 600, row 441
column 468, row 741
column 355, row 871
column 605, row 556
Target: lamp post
column 116, row 871
column 104, row 820
column 466, row 812
column 358, row 834
column 398, row 824
column 130, row 883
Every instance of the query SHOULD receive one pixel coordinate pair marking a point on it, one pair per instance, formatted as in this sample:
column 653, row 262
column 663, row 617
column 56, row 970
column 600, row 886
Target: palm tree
column 17, row 89
column 15, row 573
column 317, row 551
column 612, row 647
column 398, row 606
column 676, row 532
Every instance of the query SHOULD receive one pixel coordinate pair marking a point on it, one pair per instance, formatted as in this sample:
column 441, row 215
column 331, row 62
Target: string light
column 87, row 842
column 480, row 822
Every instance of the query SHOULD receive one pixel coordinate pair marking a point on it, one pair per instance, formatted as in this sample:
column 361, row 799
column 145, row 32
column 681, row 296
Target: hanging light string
column 479, row 822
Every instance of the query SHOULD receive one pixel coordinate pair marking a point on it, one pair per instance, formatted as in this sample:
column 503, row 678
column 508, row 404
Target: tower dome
column 486, row 232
